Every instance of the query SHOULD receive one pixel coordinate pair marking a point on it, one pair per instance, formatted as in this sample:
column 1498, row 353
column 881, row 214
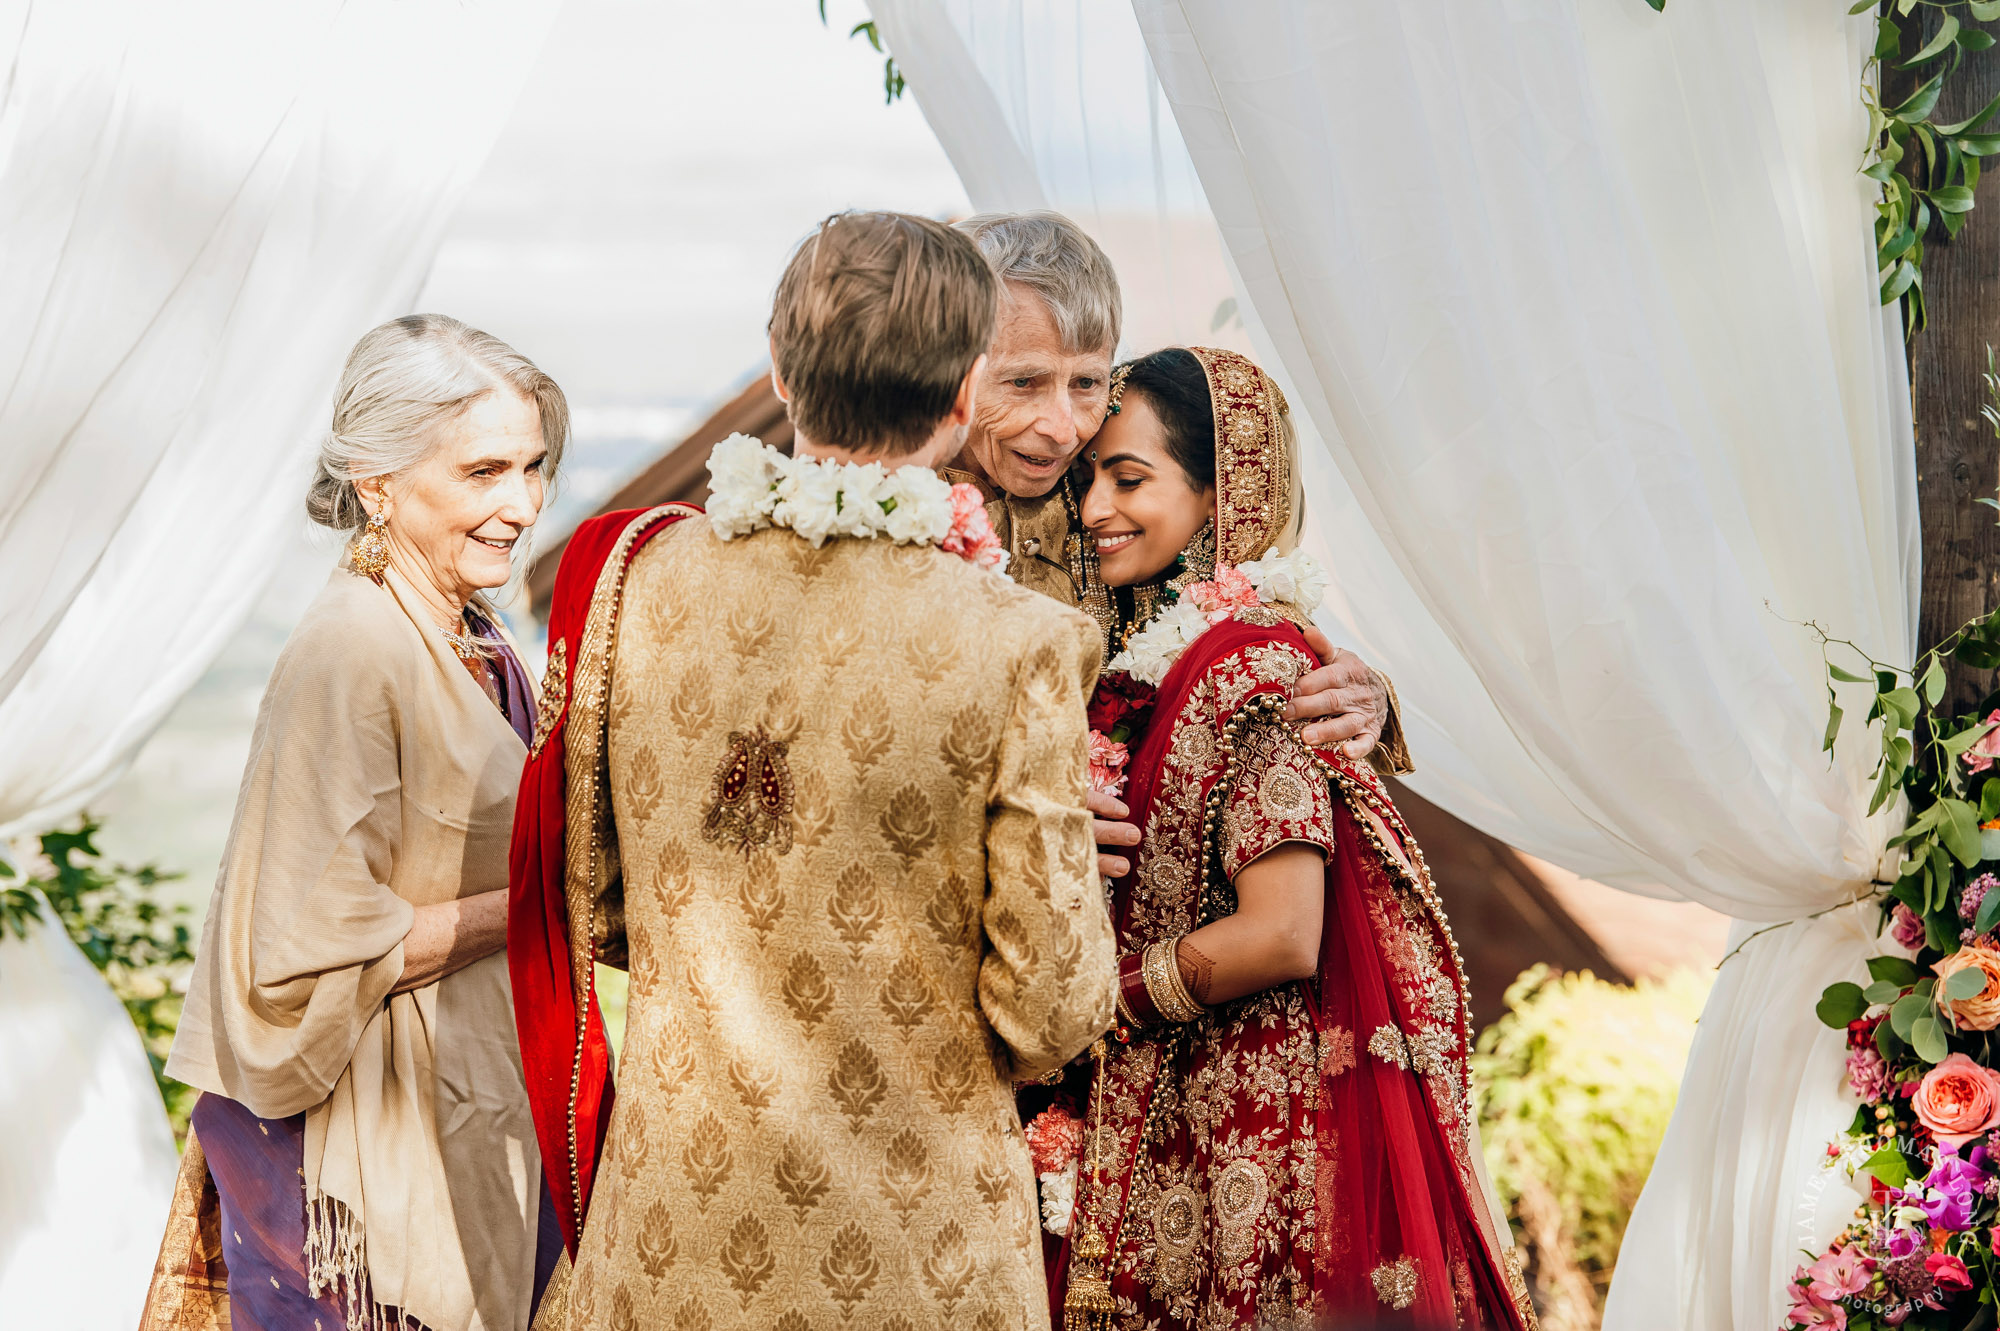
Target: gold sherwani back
column 859, row 898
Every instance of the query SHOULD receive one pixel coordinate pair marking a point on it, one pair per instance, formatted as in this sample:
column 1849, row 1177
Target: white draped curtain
column 1576, row 304
column 202, row 205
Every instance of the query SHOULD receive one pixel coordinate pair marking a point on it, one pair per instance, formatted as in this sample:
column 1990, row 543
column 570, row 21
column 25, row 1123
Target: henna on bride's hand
column 1197, row 971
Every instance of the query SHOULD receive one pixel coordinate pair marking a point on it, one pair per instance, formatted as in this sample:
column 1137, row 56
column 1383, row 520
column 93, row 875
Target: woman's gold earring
column 369, row 554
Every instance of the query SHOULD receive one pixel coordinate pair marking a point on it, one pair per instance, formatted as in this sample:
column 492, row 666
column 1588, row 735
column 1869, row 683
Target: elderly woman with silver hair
column 362, row 1154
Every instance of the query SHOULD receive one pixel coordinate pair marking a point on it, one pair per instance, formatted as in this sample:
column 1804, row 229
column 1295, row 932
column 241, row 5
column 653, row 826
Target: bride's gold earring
column 369, row 554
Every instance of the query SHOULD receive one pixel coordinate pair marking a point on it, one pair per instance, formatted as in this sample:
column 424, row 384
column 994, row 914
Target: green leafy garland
column 893, row 84
column 141, row 946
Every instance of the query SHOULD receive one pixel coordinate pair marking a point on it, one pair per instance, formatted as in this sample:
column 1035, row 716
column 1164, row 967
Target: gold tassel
column 1087, row 1305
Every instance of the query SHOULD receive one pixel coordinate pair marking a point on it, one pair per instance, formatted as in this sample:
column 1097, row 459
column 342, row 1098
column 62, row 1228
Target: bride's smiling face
column 1142, row 509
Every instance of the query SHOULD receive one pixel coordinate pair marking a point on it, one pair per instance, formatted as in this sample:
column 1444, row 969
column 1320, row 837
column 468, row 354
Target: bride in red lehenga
column 1279, row 1131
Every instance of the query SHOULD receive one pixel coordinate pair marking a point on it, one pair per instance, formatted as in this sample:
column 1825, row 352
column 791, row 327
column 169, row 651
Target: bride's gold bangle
column 1164, row 986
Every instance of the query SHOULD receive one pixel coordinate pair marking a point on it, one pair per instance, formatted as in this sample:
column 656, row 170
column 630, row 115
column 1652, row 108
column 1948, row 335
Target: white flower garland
column 753, row 486
column 1296, row 579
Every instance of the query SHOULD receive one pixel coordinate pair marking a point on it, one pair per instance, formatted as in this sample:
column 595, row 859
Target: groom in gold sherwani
column 846, row 802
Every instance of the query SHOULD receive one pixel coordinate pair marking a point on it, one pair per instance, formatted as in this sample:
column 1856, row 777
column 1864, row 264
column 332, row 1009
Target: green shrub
column 1576, row 1082
column 141, row 945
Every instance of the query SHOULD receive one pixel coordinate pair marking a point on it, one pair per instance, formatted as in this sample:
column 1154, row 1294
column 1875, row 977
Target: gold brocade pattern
column 190, row 1288
column 555, row 693
column 814, row 1125
column 1251, row 459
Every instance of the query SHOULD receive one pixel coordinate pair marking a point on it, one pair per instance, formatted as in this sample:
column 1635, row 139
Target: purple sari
column 256, row 1171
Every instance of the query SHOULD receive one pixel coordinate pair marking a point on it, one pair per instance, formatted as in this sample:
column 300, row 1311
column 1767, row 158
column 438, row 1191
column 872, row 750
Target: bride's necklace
column 1242, row 591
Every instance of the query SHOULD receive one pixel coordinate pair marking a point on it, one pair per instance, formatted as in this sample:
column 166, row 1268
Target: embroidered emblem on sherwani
column 1396, row 1282
column 555, row 692
column 1238, row 1198
column 750, row 799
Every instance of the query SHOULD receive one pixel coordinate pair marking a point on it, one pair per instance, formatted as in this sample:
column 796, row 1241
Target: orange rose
column 1981, row 1012
column 1957, row 1100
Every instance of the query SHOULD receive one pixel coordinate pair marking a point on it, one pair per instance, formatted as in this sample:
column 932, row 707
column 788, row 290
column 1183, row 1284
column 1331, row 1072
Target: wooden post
column 1958, row 458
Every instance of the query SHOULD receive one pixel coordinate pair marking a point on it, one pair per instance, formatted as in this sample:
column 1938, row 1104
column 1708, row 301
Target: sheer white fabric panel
column 1580, row 301
column 202, row 205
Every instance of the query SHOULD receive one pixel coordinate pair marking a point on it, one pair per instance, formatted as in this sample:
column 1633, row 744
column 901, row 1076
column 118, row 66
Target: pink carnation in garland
column 1223, row 595
column 1906, row 927
column 1055, row 1140
column 1867, row 1074
column 971, row 534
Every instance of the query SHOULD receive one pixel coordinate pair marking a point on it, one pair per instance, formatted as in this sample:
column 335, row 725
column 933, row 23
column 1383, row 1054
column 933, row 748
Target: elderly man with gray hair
column 1045, row 392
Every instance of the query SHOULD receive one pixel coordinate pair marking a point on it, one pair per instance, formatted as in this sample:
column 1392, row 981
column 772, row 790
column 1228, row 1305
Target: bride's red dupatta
column 1401, row 1223
column 565, row 1058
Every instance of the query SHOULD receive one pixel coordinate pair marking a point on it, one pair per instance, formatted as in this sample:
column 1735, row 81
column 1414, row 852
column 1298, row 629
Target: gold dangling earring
column 369, row 554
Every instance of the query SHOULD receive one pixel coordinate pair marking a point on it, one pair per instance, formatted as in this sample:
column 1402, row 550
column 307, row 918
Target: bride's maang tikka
column 1115, row 403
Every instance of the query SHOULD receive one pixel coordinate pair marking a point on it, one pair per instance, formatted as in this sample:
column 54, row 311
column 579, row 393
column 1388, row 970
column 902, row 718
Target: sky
column 625, row 234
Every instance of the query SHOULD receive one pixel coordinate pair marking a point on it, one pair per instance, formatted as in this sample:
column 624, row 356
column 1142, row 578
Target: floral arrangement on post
column 1923, row 1057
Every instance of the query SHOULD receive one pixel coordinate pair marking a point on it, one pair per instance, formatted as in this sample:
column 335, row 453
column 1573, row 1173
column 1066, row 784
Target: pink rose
column 1957, row 1100
column 1107, row 764
column 971, row 534
column 1842, row 1272
column 1987, row 747
column 1906, row 927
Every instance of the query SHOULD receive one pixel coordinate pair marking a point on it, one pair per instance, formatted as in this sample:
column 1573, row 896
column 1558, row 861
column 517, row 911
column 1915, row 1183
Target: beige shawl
column 380, row 778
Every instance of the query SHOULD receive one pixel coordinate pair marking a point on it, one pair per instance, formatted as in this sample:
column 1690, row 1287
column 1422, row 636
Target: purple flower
column 1949, row 1191
column 1899, row 1243
column 1907, row 1278
column 1973, row 893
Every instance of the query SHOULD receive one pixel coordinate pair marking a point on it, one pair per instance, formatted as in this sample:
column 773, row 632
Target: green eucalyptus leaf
column 1972, row 39
column 1983, row 10
column 1904, row 700
column 1989, row 801
column 1883, row 786
column 1968, row 983
column 1926, row 987
column 1848, row 676
column 1933, row 682
column 1887, row 1043
column 1901, row 1017
column 1959, row 741
column 1989, row 914
column 1659, row 6
column 1896, row 970
column 1978, row 145
column 1840, row 1004
column 1927, row 1038
column 1959, row 830
column 1833, row 715
column 1882, row 993
column 1860, row 5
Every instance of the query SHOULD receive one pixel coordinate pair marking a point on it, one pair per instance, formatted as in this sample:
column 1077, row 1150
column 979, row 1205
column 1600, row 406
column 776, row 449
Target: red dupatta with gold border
column 562, row 903
column 1401, row 1221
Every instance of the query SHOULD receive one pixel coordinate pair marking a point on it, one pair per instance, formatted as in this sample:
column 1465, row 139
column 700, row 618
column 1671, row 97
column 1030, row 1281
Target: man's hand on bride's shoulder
column 1112, row 831
column 1344, row 703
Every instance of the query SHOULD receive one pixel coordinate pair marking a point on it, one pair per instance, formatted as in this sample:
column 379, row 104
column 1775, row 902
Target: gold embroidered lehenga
column 1309, row 1150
